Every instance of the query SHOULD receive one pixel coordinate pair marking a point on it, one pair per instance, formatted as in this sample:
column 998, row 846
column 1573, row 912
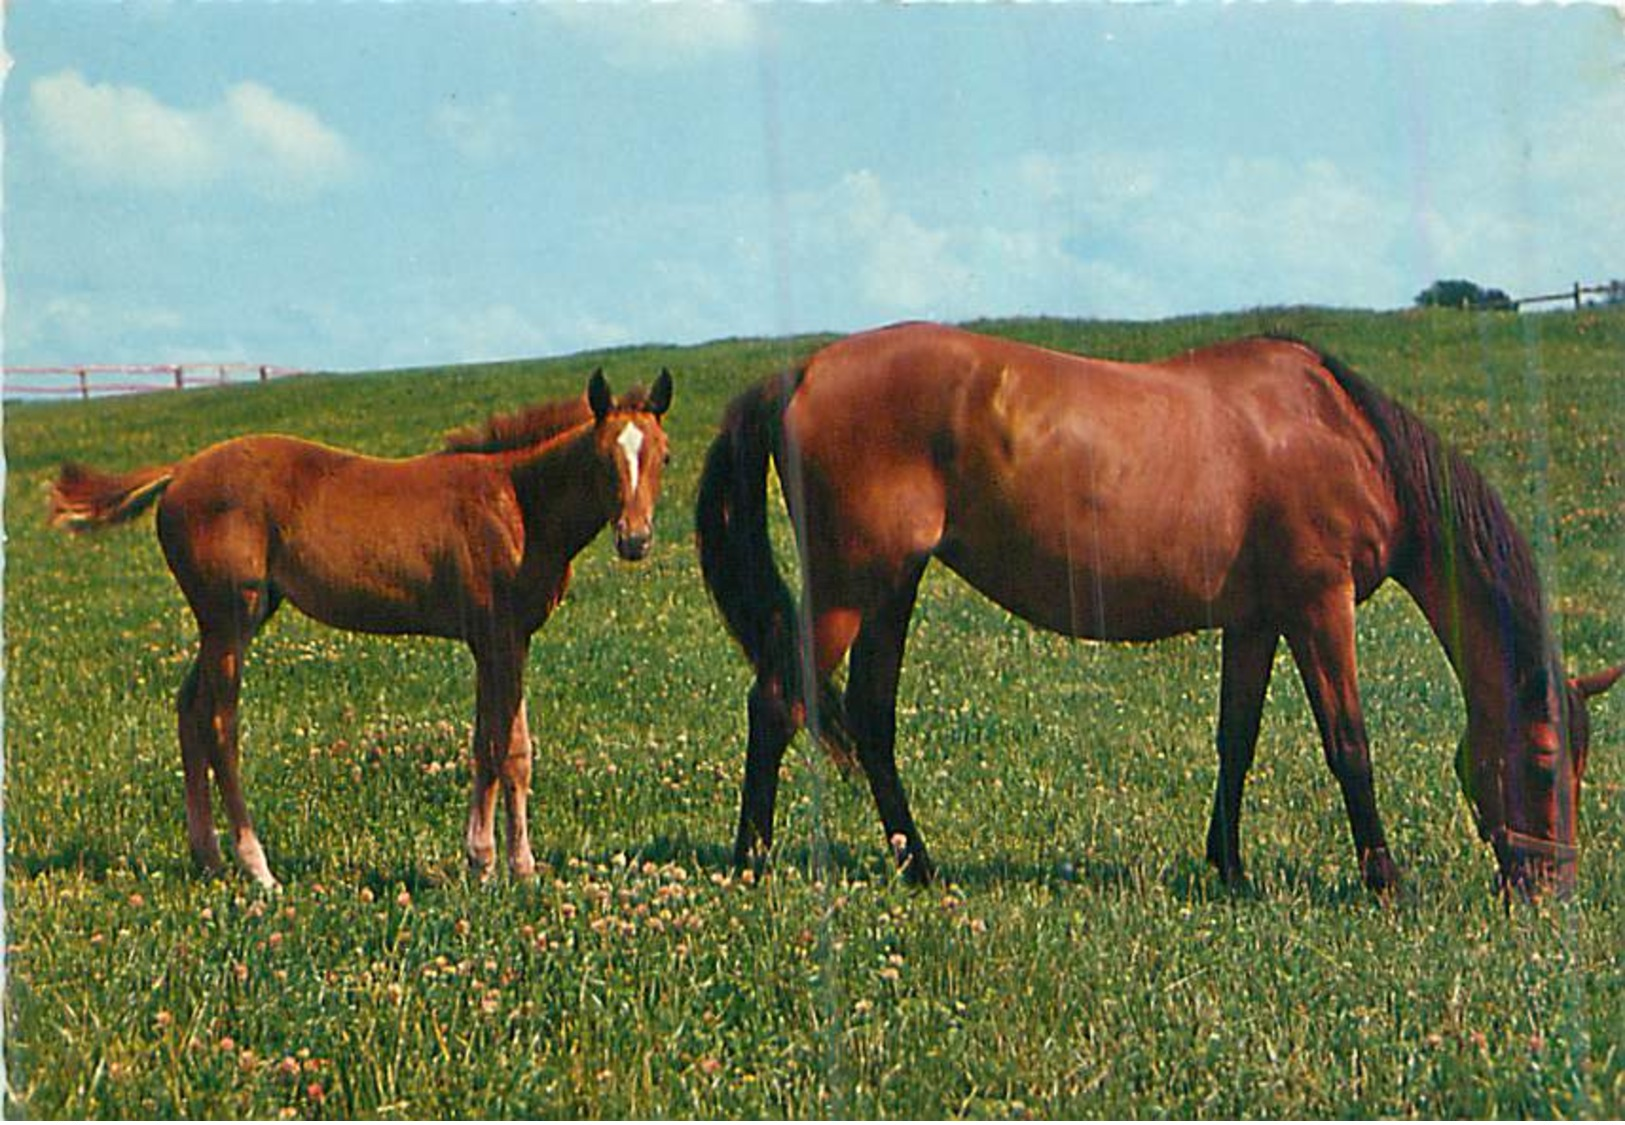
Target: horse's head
column 631, row 445
column 1526, row 799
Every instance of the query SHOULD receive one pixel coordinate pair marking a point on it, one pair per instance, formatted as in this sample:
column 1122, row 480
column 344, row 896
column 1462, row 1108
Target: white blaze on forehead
column 631, row 444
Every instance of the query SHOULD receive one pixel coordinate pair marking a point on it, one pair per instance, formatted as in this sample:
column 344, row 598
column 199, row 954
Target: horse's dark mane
column 1448, row 501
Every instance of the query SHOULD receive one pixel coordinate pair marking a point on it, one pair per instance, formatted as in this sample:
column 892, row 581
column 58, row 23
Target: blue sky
column 365, row 185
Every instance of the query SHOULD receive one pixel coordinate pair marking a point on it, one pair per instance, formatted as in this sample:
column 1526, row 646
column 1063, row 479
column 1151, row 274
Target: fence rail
column 88, row 380
column 1577, row 293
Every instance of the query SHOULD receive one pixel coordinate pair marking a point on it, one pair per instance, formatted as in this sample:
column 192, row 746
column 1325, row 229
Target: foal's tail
column 736, row 557
column 83, row 499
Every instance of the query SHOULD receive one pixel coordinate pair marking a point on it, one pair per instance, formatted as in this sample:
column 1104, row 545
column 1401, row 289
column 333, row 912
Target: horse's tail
column 736, row 557
column 83, row 499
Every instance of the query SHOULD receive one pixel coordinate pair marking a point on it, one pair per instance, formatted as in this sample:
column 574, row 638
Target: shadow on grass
column 1187, row 879
column 78, row 859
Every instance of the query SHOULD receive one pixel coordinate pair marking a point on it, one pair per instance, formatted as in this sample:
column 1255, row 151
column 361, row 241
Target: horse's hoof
column 916, row 868
column 1229, row 869
column 1380, row 872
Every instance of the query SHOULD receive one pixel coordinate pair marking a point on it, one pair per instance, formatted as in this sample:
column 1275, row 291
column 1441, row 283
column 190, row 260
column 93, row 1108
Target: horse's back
column 359, row 542
column 1095, row 497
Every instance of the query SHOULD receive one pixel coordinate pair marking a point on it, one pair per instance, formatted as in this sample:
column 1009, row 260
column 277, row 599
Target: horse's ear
column 660, row 395
column 1597, row 682
column 599, row 396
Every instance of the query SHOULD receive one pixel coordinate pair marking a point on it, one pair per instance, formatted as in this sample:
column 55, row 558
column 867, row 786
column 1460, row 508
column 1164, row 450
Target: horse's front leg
column 1323, row 646
column 502, row 758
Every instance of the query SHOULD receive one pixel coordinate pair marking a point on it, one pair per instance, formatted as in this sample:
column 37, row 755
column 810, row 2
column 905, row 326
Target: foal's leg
column 197, row 750
column 1323, row 646
column 502, row 758
column 1248, row 658
column 208, row 706
column 871, row 704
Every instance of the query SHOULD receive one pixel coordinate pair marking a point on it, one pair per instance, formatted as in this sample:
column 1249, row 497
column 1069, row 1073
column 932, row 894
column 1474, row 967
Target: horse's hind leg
column 871, row 705
column 1323, row 646
column 774, row 720
column 772, row 725
column 1249, row 655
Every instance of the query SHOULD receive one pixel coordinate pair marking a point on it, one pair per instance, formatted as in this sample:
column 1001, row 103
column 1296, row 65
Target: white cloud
column 912, row 252
column 904, row 267
column 281, row 140
column 124, row 136
column 122, row 133
column 481, row 133
column 501, row 331
column 663, row 34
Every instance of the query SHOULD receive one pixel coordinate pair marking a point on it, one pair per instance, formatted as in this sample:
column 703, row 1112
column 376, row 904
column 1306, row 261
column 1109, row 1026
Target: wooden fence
column 89, row 380
column 1614, row 290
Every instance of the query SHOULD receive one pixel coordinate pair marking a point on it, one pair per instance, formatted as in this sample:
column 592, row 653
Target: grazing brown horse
column 472, row 543
column 1258, row 487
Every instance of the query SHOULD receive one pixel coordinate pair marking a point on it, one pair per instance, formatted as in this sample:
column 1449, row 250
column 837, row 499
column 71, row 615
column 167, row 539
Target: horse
column 1257, row 486
column 472, row 542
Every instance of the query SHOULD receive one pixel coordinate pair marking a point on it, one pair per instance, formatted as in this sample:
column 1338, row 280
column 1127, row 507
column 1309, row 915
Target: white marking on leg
column 631, row 444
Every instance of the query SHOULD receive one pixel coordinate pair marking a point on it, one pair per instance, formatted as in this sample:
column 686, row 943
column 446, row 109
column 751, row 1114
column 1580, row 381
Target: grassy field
column 1077, row 960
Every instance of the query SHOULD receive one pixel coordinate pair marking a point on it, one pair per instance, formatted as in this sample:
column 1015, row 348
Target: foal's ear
column 660, row 394
column 598, row 395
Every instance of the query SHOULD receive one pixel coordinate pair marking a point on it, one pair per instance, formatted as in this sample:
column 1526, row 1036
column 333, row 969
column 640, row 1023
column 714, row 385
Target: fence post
column 1577, row 292
column 84, row 384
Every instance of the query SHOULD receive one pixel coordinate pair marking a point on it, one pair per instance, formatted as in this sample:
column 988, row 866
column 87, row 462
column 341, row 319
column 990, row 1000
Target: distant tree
column 1459, row 294
column 1616, row 292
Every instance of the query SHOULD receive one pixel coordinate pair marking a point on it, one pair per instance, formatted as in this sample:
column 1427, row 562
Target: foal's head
column 631, row 445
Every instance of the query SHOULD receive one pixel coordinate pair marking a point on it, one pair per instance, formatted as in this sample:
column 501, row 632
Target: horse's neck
column 1474, row 635
column 555, row 486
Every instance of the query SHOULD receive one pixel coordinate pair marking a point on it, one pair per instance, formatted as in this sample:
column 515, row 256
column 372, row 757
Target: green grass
column 1079, row 959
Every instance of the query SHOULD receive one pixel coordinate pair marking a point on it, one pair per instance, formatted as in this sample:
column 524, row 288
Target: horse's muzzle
column 1533, row 868
column 632, row 544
